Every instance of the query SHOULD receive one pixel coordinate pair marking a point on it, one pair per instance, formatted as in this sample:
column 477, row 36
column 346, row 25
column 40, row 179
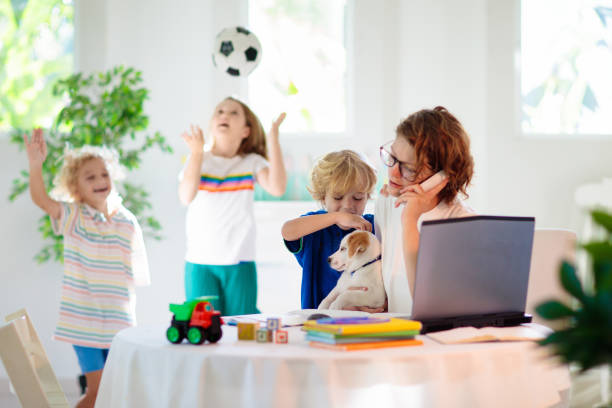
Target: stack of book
column 359, row 333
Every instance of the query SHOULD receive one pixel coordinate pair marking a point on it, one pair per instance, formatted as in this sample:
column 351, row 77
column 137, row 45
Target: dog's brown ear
column 357, row 242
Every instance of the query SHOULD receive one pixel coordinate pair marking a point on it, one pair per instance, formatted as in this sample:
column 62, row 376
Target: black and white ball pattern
column 237, row 51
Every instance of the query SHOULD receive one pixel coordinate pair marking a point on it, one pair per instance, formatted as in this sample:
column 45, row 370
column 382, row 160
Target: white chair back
column 550, row 248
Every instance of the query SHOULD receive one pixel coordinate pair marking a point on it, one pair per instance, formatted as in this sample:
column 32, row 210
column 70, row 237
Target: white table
column 144, row 370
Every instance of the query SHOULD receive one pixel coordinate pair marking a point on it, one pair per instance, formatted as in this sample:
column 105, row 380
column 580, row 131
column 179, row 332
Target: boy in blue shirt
column 343, row 182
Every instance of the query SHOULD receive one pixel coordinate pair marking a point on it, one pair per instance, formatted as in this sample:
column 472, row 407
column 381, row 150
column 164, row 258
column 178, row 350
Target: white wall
column 443, row 61
column 406, row 55
column 530, row 176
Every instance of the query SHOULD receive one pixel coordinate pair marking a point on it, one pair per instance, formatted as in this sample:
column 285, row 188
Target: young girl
column 428, row 141
column 218, row 188
column 104, row 254
column 342, row 182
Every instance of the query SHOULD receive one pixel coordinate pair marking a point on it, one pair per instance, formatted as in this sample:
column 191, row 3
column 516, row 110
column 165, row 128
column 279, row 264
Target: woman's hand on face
column 418, row 201
column 349, row 221
column 273, row 133
column 194, row 139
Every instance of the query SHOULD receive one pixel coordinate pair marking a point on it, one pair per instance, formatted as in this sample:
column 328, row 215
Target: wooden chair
column 27, row 365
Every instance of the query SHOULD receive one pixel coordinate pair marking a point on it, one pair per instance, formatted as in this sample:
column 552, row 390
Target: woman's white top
column 388, row 222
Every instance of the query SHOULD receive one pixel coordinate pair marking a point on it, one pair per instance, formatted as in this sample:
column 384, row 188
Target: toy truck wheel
column 174, row 335
column 195, row 335
column 214, row 332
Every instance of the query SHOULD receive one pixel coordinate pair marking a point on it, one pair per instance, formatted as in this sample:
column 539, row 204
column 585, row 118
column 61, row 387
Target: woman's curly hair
column 441, row 143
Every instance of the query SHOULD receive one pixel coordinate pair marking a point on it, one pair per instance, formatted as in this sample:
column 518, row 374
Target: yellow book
column 361, row 325
column 366, row 346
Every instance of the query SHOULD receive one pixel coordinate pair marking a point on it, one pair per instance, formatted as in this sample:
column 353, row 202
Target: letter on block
column 246, row 331
column 264, row 335
column 273, row 323
column 281, row 336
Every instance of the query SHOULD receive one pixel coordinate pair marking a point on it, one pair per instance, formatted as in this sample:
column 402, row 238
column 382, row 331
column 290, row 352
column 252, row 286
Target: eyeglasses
column 390, row 160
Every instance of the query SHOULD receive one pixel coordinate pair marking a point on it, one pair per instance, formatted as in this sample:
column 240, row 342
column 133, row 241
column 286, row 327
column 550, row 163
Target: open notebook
column 298, row 317
column 524, row 332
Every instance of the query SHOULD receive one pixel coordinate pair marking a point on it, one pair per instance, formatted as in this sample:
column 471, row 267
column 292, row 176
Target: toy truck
column 196, row 320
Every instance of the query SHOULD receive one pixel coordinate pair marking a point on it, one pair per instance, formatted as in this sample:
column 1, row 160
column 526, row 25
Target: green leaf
column 553, row 309
column 603, row 13
column 599, row 250
column 602, row 218
column 18, row 9
column 292, row 89
column 570, row 281
column 534, row 97
column 602, row 270
column 589, row 100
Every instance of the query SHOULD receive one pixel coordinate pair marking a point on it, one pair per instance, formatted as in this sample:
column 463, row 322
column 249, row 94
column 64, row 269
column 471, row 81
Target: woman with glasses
column 428, row 142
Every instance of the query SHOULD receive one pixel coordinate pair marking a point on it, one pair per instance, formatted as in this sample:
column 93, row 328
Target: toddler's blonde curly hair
column 340, row 172
column 65, row 184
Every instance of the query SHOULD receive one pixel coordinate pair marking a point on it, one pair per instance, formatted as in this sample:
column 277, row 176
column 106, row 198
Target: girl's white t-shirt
column 388, row 223
column 220, row 220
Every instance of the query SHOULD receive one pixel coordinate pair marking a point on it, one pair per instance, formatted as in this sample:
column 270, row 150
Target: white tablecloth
column 144, row 370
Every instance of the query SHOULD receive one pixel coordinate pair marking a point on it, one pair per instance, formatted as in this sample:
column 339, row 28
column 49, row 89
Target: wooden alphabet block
column 264, row 335
column 246, row 331
column 273, row 323
column 281, row 336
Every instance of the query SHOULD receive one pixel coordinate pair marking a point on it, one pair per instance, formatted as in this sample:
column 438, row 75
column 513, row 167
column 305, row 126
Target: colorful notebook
column 313, row 336
column 365, row 346
column 363, row 325
column 382, row 335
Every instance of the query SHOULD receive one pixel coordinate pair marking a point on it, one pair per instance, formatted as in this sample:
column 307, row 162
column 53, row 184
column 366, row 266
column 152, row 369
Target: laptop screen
column 472, row 265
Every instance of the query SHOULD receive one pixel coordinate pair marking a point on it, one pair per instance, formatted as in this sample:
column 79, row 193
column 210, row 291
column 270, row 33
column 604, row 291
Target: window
column 566, row 66
column 36, row 48
column 303, row 69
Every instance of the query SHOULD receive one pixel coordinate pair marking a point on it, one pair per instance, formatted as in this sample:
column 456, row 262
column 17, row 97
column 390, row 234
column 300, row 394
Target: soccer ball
column 237, row 51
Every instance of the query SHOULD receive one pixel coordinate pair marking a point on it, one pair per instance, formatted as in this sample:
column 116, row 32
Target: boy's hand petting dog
column 418, row 201
column 194, row 139
column 349, row 221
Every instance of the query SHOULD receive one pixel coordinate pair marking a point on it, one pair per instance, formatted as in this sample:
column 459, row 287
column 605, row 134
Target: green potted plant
column 104, row 108
column 587, row 339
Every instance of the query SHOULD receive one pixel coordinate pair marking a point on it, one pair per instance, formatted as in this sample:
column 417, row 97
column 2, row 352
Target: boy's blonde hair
column 65, row 184
column 340, row 172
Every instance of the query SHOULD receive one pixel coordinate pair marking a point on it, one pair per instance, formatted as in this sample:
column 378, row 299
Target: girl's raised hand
column 194, row 139
column 36, row 148
column 348, row 221
column 418, row 201
column 384, row 191
column 273, row 133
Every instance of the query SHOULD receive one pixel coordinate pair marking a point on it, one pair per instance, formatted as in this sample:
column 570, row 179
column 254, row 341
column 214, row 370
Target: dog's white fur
column 356, row 250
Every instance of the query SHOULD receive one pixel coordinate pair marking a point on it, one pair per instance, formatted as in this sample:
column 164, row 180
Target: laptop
column 473, row 271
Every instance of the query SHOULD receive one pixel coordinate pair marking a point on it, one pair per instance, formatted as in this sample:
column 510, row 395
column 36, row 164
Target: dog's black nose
column 329, row 260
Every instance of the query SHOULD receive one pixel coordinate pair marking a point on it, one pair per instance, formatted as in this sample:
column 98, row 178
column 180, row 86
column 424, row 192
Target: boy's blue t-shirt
column 311, row 252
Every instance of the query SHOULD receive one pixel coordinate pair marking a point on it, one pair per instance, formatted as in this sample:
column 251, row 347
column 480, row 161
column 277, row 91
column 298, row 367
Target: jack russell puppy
column 359, row 259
